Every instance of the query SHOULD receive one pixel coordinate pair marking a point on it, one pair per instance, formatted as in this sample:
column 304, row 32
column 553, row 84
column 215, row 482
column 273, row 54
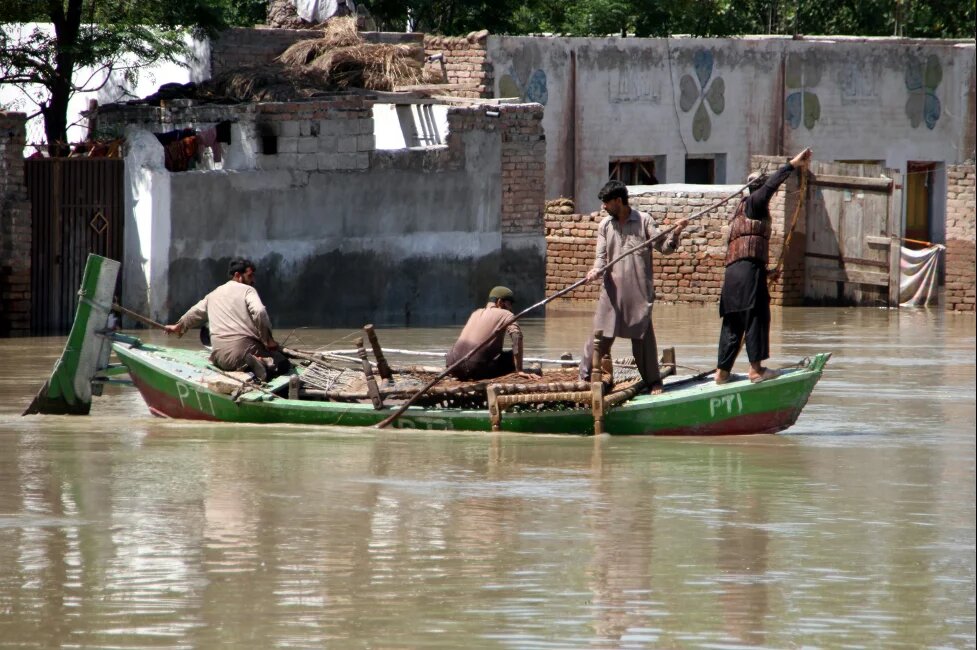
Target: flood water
column 855, row 528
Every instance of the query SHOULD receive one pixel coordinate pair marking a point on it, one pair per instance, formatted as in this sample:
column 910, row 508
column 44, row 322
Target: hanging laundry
column 208, row 138
column 919, row 275
column 171, row 136
column 318, row 11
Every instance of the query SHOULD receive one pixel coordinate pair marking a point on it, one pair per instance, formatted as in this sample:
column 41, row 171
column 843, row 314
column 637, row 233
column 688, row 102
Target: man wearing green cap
column 494, row 321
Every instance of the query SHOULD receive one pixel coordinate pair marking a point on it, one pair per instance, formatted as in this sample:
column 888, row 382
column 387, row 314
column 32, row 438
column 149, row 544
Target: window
column 636, row 170
column 705, row 169
column 269, row 141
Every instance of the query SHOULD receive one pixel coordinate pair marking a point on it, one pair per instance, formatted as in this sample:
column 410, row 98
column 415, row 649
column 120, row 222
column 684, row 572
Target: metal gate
column 77, row 209
column 851, row 222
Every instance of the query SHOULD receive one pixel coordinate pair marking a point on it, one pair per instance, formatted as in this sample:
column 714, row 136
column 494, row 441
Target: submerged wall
column 343, row 234
column 15, row 229
column 694, row 272
column 961, row 235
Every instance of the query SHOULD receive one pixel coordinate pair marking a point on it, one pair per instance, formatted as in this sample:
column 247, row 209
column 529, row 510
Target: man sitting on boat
column 491, row 360
column 240, row 329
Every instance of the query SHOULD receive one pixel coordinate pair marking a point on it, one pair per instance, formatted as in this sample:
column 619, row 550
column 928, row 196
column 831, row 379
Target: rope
column 793, row 224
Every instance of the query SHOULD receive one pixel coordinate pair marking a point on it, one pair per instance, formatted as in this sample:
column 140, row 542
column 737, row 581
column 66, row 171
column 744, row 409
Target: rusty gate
column 77, row 209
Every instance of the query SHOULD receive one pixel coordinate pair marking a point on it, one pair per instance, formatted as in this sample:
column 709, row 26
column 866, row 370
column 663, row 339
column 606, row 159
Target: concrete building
column 690, row 110
column 343, row 231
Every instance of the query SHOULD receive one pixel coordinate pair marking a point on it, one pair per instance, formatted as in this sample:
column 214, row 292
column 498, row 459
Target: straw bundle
column 345, row 60
column 268, row 83
column 372, row 66
column 338, row 32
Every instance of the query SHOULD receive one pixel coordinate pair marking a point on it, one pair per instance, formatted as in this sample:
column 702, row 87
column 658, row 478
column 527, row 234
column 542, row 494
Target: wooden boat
column 179, row 383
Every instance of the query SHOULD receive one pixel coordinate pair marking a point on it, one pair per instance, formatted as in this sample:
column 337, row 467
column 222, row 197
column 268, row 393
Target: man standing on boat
column 626, row 298
column 744, row 304
column 240, row 329
column 491, row 360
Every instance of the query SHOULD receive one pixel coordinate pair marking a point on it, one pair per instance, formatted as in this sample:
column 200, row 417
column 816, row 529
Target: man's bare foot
column 763, row 375
column 722, row 376
column 656, row 388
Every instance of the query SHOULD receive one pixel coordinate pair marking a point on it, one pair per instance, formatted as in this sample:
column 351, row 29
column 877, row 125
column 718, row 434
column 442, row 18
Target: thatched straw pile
column 344, row 60
column 267, row 83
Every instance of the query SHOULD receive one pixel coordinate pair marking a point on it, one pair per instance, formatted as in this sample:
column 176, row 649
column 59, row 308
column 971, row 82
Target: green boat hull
column 171, row 382
column 180, row 383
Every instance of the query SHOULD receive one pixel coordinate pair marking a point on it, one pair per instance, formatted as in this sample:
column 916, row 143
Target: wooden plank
column 854, row 182
column 845, row 261
column 822, row 239
column 877, row 240
column 852, row 276
column 894, row 230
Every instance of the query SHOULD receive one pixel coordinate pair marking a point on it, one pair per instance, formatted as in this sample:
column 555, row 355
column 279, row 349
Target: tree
column 910, row 18
column 103, row 35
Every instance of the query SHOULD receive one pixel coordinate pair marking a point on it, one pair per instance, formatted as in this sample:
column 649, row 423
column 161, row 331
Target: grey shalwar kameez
column 628, row 292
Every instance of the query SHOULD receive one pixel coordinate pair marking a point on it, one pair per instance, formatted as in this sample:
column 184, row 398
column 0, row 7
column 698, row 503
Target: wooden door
column 847, row 259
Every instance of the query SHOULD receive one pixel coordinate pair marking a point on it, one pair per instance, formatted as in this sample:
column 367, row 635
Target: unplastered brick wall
column 465, row 63
column 315, row 135
column 694, row 273
column 15, row 229
column 520, row 127
column 244, row 46
column 961, row 276
column 175, row 114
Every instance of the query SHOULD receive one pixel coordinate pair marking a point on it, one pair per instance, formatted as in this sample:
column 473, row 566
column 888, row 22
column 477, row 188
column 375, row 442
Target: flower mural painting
column 802, row 105
column 922, row 78
column 697, row 92
column 533, row 90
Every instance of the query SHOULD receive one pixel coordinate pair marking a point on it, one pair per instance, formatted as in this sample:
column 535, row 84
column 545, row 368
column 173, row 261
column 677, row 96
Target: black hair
column 239, row 265
column 613, row 190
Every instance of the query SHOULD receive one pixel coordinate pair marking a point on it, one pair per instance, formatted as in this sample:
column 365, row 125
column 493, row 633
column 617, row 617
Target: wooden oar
column 634, row 249
column 137, row 317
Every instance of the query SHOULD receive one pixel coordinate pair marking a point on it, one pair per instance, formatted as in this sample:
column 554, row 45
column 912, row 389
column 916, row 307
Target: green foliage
column 118, row 35
column 910, row 18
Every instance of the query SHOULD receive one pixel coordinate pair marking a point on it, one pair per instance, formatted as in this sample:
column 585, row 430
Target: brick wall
column 694, row 273
column 961, row 276
column 317, row 135
column 15, row 229
column 465, row 63
column 523, row 158
column 244, row 46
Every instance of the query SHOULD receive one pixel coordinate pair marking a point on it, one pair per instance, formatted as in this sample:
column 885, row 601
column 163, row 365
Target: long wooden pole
column 634, row 249
column 137, row 317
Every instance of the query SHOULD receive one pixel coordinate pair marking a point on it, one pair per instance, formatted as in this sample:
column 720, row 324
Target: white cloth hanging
column 919, row 275
column 318, row 11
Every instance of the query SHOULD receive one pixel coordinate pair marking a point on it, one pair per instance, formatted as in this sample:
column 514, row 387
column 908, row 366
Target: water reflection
column 856, row 528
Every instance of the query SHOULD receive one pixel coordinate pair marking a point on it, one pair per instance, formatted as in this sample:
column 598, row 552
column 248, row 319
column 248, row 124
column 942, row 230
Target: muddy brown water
column 855, row 528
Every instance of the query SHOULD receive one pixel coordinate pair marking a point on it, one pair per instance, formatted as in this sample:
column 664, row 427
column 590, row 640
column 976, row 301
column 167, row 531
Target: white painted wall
column 148, row 203
column 397, row 126
column 607, row 97
column 114, row 89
